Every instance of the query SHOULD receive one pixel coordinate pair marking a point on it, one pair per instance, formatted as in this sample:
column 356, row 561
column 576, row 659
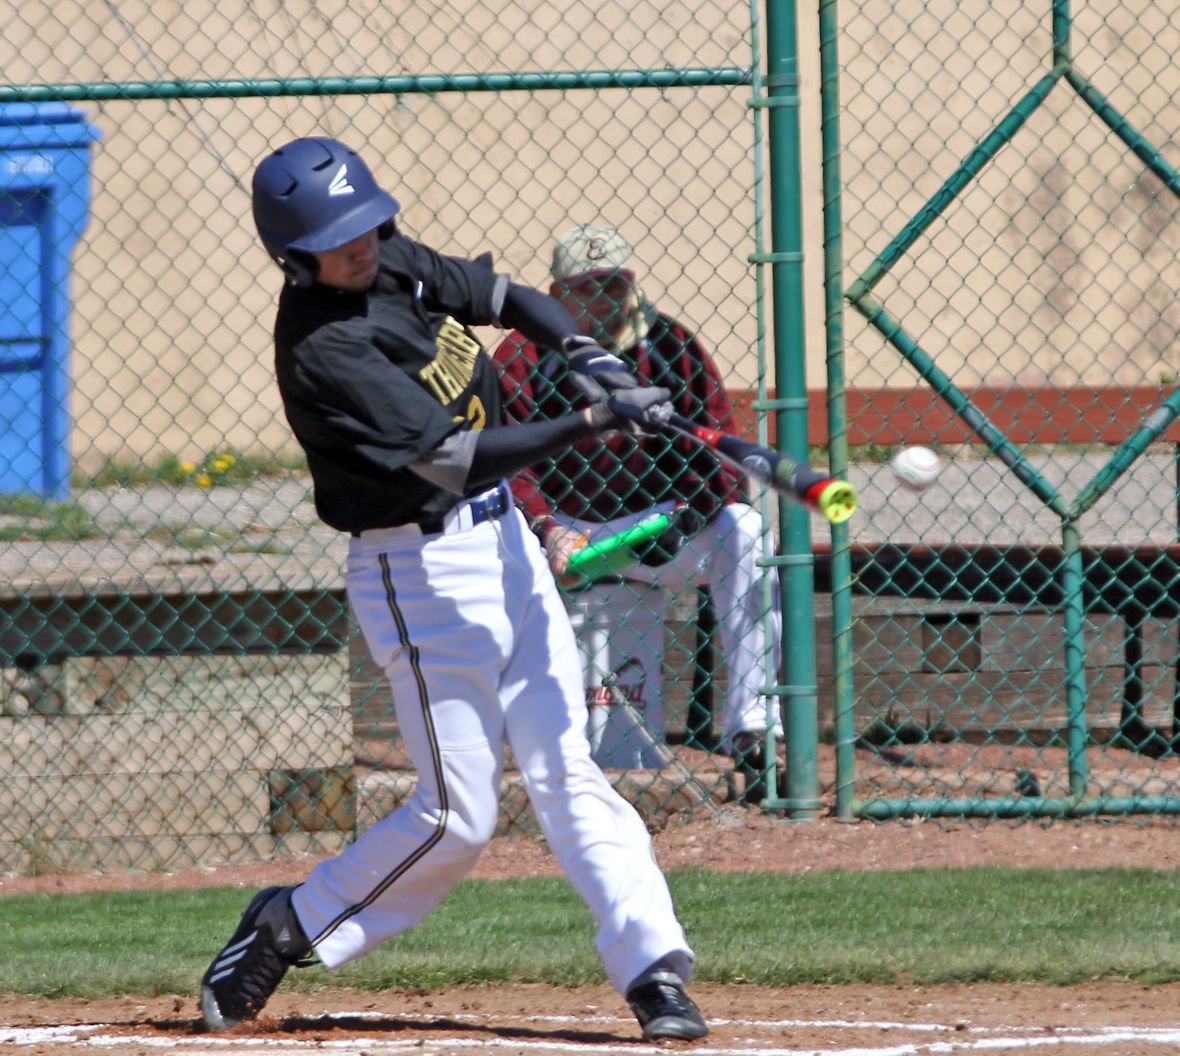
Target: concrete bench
column 987, row 619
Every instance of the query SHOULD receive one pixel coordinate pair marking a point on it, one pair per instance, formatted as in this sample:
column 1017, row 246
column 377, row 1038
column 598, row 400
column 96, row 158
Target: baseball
column 916, row 467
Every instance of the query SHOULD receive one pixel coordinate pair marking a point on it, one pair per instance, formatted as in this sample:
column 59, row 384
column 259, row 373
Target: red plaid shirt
column 619, row 474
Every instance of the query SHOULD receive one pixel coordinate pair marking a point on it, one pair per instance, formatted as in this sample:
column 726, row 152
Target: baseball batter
column 397, row 407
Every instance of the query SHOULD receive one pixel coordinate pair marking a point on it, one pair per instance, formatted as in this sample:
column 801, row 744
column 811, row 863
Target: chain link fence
column 1010, row 273
column 182, row 681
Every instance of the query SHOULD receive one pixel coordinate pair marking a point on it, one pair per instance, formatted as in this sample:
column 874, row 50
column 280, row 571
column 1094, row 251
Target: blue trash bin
column 44, row 207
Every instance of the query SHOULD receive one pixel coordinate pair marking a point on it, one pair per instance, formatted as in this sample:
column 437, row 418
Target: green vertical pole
column 797, row 569
column 1077, row 738
column 843, row 698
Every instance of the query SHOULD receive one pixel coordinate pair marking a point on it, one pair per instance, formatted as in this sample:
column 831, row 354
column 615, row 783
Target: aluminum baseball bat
column 829, row 496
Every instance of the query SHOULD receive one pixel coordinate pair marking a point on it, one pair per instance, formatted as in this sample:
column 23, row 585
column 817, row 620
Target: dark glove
column 638, row 411
column 595, row 372
column 660, row 550
column 688, row 521
column 683, row 524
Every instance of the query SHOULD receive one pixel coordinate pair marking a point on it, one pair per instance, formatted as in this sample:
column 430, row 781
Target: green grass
column 28, row 517
column 924, row 926
column 46, row 521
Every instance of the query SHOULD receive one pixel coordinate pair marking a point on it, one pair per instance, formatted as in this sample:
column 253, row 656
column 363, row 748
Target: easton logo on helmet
column 340, row 184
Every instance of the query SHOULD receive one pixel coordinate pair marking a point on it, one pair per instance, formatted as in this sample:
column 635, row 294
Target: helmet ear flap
column 300, row 268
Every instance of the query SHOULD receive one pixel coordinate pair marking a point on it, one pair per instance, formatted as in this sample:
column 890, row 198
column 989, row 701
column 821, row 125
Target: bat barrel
column 833, row 499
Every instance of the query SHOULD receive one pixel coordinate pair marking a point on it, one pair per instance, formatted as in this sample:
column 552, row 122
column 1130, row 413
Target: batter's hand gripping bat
column 828, row 496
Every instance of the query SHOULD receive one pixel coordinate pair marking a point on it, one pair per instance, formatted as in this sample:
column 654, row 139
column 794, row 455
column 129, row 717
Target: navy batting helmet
column 314, row 195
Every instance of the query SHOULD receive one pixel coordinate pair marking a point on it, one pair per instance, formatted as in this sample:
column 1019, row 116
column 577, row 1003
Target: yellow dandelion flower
column 220, row 465
column 203, row 480
column 186, row 467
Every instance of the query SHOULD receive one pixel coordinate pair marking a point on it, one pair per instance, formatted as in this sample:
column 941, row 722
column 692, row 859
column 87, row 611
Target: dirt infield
column 743, row 839
column 1113, row 1019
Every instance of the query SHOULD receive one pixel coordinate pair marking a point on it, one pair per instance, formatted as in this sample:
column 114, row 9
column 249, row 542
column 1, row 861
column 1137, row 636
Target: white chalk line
column 960, row 1038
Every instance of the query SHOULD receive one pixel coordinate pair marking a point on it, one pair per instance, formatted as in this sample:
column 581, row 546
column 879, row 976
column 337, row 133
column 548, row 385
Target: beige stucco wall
column 173, row 295
column 1058, row 264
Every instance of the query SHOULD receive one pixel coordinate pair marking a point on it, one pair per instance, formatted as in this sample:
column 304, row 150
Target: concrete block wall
column 143, row 762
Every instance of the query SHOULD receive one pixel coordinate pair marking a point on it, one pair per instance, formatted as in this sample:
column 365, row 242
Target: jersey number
column 477, row 414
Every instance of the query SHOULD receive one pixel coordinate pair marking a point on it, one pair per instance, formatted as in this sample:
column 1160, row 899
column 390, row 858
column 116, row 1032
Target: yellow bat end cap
column 837, row 501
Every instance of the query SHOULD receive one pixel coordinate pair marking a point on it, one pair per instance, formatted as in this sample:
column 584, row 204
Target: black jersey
column 373, row 381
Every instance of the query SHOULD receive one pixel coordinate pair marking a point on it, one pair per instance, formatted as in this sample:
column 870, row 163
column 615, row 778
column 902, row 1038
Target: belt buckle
column 485, row 508
column 498, row 502
column 490, row 506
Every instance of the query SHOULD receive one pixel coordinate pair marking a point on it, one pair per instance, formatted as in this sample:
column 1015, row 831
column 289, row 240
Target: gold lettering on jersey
column 476, row 416
column 449, row 374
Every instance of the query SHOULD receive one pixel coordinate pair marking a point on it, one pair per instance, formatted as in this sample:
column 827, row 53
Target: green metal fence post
column 833, row 221
column 786, row 258
column 1075, row 658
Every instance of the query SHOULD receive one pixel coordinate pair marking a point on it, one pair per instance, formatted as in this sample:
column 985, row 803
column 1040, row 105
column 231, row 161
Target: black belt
column 489, row 506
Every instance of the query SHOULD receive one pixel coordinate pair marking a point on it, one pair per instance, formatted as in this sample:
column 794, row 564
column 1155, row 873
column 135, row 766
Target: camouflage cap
column 589, row 252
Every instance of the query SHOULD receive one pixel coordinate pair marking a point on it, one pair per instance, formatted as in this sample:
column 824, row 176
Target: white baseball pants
column 474, row 637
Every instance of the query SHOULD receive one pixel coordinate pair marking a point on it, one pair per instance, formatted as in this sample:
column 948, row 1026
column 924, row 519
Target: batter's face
column 352, row 266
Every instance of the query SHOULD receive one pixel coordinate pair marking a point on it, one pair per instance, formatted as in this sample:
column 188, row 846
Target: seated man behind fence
column 604, row 485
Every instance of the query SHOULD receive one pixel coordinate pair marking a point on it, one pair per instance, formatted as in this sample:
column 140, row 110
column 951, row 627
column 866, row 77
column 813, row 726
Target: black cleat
column 268, row 941
column 1027, row 784
column 749, row 759
column 664, row 1010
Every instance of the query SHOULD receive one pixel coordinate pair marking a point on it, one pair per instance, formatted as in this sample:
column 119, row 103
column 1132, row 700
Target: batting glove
column 639, row 411
column 595, row 372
